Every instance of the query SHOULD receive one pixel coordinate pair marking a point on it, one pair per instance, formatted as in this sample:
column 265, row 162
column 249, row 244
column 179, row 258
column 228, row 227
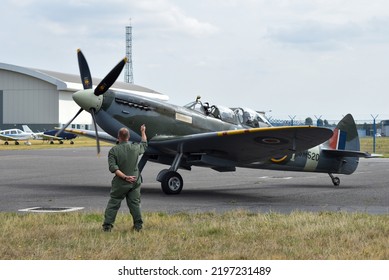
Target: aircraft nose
column 87, row 100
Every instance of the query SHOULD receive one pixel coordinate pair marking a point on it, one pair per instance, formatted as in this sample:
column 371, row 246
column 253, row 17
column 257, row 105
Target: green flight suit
column 124, row 156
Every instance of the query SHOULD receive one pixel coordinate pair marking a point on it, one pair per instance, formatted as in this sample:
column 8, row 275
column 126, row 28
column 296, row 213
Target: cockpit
column 251, row 118
column 238, row 116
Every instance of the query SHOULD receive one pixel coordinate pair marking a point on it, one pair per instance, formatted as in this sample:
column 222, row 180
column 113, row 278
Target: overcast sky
column 296, row 58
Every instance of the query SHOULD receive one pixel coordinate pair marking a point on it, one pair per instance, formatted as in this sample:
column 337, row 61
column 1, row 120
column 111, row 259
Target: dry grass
column 232, row 235
column 79, row 142
column 381, row 146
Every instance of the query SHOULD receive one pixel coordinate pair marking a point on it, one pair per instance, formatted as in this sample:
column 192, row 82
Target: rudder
column 345, row 136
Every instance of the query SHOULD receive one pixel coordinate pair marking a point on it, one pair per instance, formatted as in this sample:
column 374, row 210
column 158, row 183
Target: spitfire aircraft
column 213, row 136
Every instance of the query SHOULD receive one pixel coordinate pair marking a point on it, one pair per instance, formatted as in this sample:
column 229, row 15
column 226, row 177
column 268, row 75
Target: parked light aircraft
column 50, row 135
column 16, row 135
column 214, row 136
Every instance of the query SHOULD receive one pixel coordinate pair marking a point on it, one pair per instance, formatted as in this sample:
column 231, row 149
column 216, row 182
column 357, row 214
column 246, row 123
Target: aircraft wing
column 48, row 137
column 9, row 138
column 245, row 145
column 92, row 134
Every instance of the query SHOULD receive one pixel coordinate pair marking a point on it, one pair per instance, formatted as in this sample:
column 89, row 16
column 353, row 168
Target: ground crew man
column 123, row 162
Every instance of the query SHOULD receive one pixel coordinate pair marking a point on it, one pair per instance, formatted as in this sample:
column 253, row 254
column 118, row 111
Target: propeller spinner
column 91, row 100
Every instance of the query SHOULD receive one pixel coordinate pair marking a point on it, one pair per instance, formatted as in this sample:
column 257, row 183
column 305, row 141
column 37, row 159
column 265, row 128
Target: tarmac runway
column 76, row 177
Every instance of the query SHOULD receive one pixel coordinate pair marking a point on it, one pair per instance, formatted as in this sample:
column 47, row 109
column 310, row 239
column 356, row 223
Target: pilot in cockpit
column 249, row 119
column 207, row 108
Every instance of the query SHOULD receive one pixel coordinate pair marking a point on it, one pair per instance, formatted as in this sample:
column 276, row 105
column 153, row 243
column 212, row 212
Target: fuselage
column 312, row 160
column 162, row 119
column 17, row 134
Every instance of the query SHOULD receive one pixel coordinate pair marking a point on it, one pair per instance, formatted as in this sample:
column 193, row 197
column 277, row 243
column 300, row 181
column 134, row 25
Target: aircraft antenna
column 128, row 73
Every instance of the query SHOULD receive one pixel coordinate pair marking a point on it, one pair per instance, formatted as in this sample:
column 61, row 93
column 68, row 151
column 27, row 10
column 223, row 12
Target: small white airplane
column 16, row 135
column 50, row 135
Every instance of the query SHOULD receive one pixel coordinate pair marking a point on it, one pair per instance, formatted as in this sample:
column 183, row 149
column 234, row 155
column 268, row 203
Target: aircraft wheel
column 51, row 142
column 336, row 181
column 16, row 143
column 172, row 183
column 60, row 141
column 71, row 142
column 6, row 143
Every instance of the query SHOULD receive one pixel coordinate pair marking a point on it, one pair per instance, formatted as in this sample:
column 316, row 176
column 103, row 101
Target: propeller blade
column 92, row 111
column 86, row 77
column 108, row 81
column 69, row 122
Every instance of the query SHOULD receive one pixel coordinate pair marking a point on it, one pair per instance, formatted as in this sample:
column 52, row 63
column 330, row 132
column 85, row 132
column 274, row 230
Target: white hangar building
column 43, row 99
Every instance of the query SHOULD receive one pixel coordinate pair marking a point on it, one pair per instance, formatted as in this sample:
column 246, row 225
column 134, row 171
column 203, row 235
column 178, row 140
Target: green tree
column 308, row 121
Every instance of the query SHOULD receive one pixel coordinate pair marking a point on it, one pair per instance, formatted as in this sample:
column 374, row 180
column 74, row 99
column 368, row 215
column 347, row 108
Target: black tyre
column 336, row 181
column 172, row 183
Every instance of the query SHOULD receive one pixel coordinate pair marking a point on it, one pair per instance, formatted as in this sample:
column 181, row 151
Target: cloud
column 164, row 16
column 315, row 35
column 325, row 36
column 326, row 25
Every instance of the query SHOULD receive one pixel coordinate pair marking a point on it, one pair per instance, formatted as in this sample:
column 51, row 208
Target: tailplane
column 344, row 147
column 345, row 140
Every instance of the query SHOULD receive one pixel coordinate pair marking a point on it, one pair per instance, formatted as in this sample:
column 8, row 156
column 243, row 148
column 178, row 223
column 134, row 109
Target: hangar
column 43, row 99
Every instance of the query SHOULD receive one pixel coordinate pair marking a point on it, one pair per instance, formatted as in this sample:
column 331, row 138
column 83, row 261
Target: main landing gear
column 335, row 180
column 171, row 180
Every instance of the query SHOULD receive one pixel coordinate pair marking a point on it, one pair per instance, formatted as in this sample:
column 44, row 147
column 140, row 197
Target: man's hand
column 143, row 132
column 131, row 179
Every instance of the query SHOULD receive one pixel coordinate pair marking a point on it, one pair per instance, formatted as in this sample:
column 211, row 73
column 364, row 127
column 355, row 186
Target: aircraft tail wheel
column 335, row 180
column 172, row 183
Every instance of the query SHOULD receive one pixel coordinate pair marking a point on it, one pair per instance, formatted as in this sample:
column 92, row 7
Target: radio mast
column 128, row 74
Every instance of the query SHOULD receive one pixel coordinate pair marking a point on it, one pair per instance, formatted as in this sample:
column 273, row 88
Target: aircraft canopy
column 244, row 116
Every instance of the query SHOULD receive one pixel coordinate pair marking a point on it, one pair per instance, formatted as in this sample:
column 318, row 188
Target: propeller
column 103, row 86
column 93, row 113
column 108, row 81
column 69, row 122
column 86, row 77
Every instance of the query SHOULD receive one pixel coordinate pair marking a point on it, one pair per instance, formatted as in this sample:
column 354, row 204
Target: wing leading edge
column 92, row 134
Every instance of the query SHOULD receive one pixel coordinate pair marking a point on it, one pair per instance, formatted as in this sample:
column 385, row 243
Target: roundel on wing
column 271, row 140
column 278, row 159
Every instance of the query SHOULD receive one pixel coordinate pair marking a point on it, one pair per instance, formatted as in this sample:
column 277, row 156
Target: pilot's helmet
column 247, row 116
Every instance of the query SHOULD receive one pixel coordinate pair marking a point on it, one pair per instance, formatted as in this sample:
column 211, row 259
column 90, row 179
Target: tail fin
column 345, row 140
column 26, row 128
column 344, row 146
column 345, row 136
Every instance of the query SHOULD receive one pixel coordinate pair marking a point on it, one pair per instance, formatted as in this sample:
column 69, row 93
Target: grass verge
column 230, row 235
column 79, row 142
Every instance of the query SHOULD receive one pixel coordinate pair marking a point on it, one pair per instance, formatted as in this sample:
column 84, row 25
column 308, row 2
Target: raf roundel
column 271, row 140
